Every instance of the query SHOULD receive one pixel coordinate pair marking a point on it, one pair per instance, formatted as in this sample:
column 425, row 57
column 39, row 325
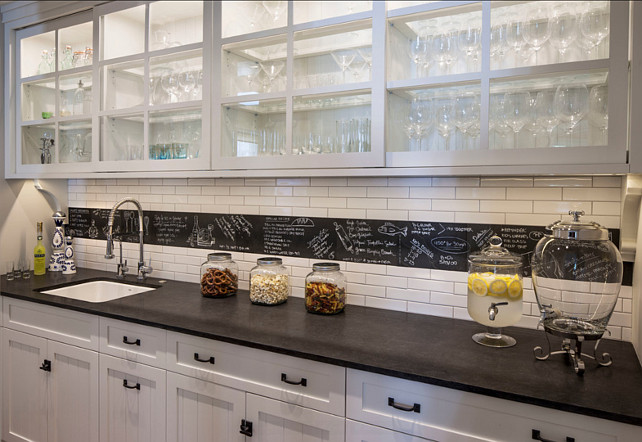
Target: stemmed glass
column 498, row 42
column 421, row 118
column 517, row 110
column 497, row 120
column 272, row 69
column 599, row 109
column 366, row 54
column 594, row 26
column 469, row 42
column 563, row 26
column 344, row 59
column 186, row 83
column 445, row 119
column 419, row 53
column 537, row 30
column 169, row 84
column 467, row 111
column 571, row 105
column 444, row 49
column 545, row 112
column 275, row 8
column 515, row 36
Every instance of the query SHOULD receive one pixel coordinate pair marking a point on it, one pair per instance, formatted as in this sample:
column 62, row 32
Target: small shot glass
column 10, row 269
column 26, row 270
column 17, row 270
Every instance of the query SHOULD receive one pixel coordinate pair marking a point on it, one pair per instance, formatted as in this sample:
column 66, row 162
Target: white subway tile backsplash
column 563, row 182
column 593, row 194
column 388, row 304
column 534, row 194
column 561, row 207
column 485, row 193
column 456, row 205
column 494, row 200
column 511, row 206
column 607, row 181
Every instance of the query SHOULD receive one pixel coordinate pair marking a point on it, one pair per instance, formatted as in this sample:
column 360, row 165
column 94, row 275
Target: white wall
column 534, row 201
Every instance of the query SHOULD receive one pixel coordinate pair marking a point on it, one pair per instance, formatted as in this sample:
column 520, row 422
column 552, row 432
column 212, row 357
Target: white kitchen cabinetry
column 477, row 84
column 132, row 401
column 50, row 390
column 443, row 414
column 133, row 342
column 219, row 87
column 360, row 432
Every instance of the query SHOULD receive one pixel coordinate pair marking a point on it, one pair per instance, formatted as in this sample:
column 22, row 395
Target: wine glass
column 343, row 58
column 469, row 42
column 564, row 31
column 537, row 30
column 545, row 112
column 444, row 49
column 532, row 125
column 515, row 36
column 272, row 69
column 517, row 109
column 276, row 9
column 421, row 118
column 571, row 104
column 419, row 52
column 498, row 42
column 497, row 120
column 366, row 54
column 169, row 84
column 599, row 108
column 186, row 83
column 445, row 119
column 594, row 26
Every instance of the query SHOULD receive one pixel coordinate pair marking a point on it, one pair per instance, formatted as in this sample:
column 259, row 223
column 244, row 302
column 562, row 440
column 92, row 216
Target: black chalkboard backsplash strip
column 430, row 245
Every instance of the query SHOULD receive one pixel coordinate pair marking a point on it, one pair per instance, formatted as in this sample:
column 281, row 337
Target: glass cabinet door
column 539, row 92
column 152, row 92
column 302, row 99
column 54, row 86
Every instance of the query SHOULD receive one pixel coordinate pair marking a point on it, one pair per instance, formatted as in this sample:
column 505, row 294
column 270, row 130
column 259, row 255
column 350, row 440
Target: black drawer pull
column 303, row 382
column 136, row 342
column 246, row 428
column 210, row 360
column 46, row 365
column 131, row 387
column 416, row 407
column 537, row 435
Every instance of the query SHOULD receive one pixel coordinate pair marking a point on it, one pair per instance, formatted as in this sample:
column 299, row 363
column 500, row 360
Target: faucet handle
column 144, row 270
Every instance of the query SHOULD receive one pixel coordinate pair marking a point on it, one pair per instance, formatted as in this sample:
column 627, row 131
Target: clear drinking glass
column 272, row 70
column 537, row 30
column 599, row 109
column 564, row 30
column 343, row 58
column 545, row 112
column 515, row 38
column 497, row 119
column 469, row 42
column 498, row 42
column 421, row 118
column 571, row 105
column 594, row 26
column 517, row 111
column 419, row 53
column 445, row 119
column 444, row 50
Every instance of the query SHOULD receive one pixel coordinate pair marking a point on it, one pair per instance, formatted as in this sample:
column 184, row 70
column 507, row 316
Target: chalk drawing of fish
column 392, row 230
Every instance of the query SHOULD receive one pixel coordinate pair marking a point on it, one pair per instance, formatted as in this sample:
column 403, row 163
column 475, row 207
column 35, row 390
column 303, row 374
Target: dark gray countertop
column 422, row 348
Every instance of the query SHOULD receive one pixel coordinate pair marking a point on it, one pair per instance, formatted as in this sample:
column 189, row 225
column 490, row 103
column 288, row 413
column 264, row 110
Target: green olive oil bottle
column 39, row 253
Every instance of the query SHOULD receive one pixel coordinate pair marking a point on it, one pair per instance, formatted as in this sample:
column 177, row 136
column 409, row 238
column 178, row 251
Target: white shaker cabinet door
column 73, row 393
column 276, row 421
column 200, row 411
column 25, row 387
column 132, row 401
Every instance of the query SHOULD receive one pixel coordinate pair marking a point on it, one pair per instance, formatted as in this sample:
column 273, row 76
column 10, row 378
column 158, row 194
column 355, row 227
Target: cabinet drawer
column 299, row 381
column 55, row 323
column 134, row 342
column 445, row 414
column 360, row 432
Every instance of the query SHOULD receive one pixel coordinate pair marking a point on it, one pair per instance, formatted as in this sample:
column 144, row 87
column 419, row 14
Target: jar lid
column 494, row 254
column 576, row 229
column 219, row 256
column 270, row 260
column 327, row 266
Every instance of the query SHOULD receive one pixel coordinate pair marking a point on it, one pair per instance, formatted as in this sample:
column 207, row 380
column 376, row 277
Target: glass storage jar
column 219, row 276
column 269, row 282
column 325, row 289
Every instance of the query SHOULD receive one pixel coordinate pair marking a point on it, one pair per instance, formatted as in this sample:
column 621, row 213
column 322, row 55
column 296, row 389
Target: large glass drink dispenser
column 577, row 274
column 495, row 292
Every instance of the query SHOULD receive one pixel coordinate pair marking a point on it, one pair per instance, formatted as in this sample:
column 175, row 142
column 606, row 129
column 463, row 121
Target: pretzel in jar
column 217, row 283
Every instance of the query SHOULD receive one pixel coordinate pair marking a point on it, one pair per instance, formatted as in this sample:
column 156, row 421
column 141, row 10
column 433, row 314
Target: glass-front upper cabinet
column 507, row 83
column 54, row 85
column 153, row 83
column 297, row 85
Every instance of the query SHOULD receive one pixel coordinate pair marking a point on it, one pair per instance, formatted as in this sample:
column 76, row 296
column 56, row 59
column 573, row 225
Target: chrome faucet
column 143, row 270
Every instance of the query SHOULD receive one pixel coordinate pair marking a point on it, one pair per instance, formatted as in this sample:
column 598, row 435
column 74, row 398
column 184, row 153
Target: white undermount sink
column 97, row 291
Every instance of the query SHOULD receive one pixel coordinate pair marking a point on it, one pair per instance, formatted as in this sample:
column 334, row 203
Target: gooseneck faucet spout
column 143, row 270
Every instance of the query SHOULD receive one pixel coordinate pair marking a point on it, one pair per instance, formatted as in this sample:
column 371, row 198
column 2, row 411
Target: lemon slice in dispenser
column 515, row 289
column 479, row 287
column 498, row 287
